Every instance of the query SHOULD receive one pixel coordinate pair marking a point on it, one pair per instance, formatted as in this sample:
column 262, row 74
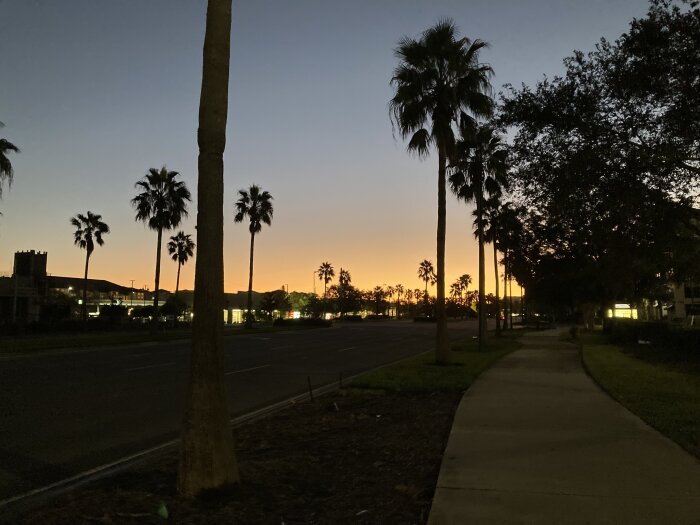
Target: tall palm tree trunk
column 442, row 349
column 249, row 315
column 84, row 309
column 498, row 306
column 156, row 317
column 505, row 291
column 207, row 456
column 177, row 281
column 510, row 298
column 482, row 270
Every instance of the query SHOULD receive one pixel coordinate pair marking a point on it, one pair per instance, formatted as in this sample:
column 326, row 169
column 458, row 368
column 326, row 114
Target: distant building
column 686, row 300
column 29, row 288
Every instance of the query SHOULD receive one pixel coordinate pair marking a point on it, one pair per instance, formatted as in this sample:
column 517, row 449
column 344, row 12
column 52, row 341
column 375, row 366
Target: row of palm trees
column 162, row 204
column 442, row 102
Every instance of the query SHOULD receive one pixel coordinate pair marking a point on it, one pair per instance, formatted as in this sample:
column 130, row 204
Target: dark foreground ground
column 350, row 457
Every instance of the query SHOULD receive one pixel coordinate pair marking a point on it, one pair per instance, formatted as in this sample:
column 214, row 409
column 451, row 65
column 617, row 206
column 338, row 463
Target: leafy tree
column 207, row 456
column 6, row 171
column 89, row 230
column 439, row 79
column 275, row 300
column 256, row 205
column 478, row 169
column 161, row 204
column 606, row 157
column 345, row 298
column 174, row 306
column 325, row 274
column 181, row 248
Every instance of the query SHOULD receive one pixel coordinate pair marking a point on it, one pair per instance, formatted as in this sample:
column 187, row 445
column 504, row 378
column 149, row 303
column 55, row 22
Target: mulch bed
column 350, row 457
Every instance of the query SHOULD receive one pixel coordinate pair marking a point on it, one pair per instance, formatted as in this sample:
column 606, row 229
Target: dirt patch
column 351, row 457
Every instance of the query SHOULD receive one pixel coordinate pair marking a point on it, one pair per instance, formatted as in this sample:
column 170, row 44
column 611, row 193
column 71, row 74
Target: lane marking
column 246, row 370
column 348, row 348
column 150, row 366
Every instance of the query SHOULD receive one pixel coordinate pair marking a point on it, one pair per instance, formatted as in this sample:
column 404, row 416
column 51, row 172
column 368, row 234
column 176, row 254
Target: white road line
column 348, row 348
column 245, row 370
column 149, row 366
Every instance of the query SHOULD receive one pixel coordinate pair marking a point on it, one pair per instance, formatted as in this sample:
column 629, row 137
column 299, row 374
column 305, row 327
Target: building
column 25, row 293
column 686, row 300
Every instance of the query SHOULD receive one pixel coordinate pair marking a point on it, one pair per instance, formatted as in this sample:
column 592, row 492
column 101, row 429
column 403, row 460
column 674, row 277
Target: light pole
column 132, row 292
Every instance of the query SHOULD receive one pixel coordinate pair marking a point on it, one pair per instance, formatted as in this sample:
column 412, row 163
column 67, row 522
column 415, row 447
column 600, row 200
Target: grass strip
column 421, row 374
column 665, row 397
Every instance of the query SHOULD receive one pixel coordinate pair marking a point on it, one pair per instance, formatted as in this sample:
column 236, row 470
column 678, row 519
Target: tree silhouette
column 344, row 278
column 426, row 272
column 438, row 81
column 89, row 230
column 6, row 170
column 180, row 248
column 399, row 289
column 207, row 455
column 161, row 204
column 256, row 205
column 479, row 167
column 325, row 274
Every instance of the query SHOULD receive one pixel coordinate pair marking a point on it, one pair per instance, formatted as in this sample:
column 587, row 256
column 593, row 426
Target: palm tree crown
column 181, row 247
column 6, row 171
column 89, row 230
column 344, row 277
column 256, row 205
column 426, row 271
column 326, row 272
column 162, row 203
column 439, row 77
column 479, row 163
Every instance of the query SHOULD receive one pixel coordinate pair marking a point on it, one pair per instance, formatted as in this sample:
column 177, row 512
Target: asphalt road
column 66, row 413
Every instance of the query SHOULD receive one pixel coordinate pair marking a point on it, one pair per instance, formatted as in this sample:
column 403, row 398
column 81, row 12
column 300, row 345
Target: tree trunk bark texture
column 442, row 346
column 207, row 456
column 249, row 315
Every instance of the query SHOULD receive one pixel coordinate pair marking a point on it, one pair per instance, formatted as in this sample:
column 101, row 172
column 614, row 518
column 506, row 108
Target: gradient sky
column 95, row 92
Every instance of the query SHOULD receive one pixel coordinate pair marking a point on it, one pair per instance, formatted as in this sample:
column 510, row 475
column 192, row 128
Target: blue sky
column 95, row 92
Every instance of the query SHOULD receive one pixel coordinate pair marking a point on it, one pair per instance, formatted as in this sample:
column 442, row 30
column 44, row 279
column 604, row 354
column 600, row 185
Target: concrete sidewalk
column 535, row 440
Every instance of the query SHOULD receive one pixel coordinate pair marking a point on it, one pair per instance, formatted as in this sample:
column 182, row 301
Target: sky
column 96, row 92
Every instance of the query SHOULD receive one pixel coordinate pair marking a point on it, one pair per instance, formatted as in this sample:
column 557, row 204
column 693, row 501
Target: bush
column 353, row 318
column 113, row 311
column 660, row 334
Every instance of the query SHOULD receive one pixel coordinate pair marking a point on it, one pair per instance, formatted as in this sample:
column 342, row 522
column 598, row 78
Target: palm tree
column 426, row 272
column 491, row 212
column 325, row 274
column 465, row 280
column 89, row 230
column 479, row 166
column 399, row 289
column 161, row 204
column 257, row 206
column 6, row 171
column 438, row 79
column 180, row 248
column 207, row 455
column 344, row 278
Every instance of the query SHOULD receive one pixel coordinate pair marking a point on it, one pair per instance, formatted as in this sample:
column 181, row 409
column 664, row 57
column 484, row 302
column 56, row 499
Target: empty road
column 69, row 412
